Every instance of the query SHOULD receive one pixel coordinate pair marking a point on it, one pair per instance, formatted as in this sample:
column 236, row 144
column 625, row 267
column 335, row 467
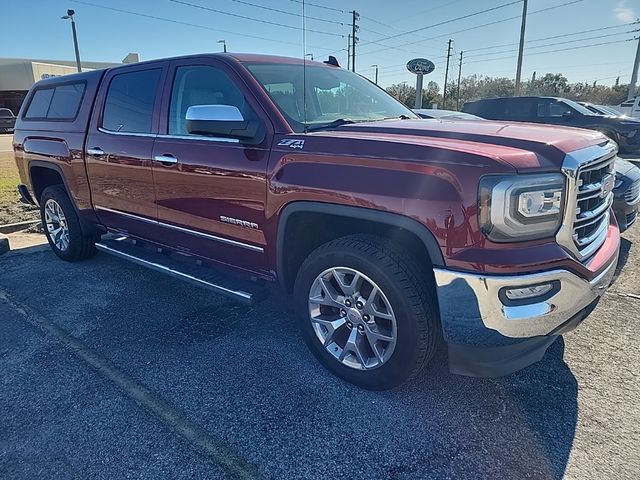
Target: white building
column 17, row 75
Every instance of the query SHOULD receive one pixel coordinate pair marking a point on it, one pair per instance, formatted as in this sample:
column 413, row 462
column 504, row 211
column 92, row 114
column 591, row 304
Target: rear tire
column 61, row 225
column 328, row 314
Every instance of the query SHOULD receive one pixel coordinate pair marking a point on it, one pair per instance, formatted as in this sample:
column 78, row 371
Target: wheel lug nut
column 347, row 302
column 349, row 324
column 360, row 328
column 366, row 317
column 359, row 305
column 343, row 313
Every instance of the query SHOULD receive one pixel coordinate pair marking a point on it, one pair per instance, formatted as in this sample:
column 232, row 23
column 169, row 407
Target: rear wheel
column 62, row 226
column 366, row 312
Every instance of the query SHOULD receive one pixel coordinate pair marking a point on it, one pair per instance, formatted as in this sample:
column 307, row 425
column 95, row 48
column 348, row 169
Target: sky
column 391, row 33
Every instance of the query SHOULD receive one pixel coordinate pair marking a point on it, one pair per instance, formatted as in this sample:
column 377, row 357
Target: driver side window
column 551, row 108
column 201, row 85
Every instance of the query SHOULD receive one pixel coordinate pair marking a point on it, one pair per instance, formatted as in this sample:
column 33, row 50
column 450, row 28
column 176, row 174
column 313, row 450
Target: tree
column 406, row 94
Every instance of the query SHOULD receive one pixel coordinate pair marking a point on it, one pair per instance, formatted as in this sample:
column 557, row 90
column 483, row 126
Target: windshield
column 608, row 111
column 334, row 95
column 578, row 107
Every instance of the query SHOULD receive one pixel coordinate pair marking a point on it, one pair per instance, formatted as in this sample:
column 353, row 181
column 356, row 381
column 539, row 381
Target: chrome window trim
column 177, row 137
column 208, row 236
column 127, row 134
column 571, row 165
column 199, row 137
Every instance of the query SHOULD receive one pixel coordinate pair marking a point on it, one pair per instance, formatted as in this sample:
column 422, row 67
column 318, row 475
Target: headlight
column 521, row 207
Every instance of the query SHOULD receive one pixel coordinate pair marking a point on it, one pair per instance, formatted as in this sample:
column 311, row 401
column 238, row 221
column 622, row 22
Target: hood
column 524, row 146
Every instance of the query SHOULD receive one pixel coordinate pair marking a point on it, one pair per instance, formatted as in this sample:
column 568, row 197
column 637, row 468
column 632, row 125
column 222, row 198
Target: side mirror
column 219, row 120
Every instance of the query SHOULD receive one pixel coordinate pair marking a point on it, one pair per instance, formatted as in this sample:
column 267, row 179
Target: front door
column 210, row 191
column 119, row 147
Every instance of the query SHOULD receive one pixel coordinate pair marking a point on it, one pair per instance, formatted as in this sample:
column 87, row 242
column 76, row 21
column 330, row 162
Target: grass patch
column 9, row 179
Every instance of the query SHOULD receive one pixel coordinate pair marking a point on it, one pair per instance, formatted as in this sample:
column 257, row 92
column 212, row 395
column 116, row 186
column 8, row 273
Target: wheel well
column 305, row 231
column 43, row 177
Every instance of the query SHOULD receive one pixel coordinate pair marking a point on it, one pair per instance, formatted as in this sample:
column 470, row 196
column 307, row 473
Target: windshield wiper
column 399, row 117
column 334, row 124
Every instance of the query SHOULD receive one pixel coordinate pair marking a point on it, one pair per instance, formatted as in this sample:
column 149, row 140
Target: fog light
column 524, row 293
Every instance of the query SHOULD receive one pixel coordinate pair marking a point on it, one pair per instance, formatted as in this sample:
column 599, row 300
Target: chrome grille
column 631, row 218
column 590, row 179
column 593, row 202
column 632, row 194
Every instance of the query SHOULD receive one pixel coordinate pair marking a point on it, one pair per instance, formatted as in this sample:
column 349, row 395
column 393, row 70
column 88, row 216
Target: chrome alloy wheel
column 56, row 223
column 352, row 318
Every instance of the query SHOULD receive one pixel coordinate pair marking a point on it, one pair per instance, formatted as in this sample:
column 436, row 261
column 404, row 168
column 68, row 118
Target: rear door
column 119, row 147
column 211, row 193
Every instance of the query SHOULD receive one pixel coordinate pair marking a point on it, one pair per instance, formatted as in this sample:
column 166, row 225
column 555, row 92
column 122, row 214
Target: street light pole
column 376, row 67
column 69, row 16
column 224, row 45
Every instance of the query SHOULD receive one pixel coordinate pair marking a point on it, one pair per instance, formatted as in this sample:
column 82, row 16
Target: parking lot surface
column 113, row 371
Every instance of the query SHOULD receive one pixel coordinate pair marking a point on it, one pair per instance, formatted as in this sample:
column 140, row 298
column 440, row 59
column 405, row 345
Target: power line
column 488, row 24
column 444, row 22
column 558, row 43
column 245, row 17
column 188, row 24
column 307, row 17
column 555, row 36
column 320, row 6
column 553, row 51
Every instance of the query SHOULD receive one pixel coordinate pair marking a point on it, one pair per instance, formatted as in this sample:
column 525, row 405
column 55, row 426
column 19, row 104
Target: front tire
column 366, row 312
column 61, row 225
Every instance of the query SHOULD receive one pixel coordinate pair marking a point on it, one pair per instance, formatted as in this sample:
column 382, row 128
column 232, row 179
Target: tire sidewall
column 406, row 352
column 75, row 233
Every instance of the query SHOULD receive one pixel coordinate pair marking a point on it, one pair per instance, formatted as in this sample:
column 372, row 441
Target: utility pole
column 375, row 65
column 532, row 85
column 459, row 76
column 224, row 45
column 354, row 39
column 521, row 48
column 69, row 16
column 349, row 52
column 634, row 76
column 446, row 76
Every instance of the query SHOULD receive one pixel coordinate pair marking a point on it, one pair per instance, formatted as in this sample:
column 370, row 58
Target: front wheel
column 366, row 312
column 62, row 226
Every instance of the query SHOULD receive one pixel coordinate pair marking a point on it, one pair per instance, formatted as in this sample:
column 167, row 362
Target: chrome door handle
column 166, row 159
column 96, row 152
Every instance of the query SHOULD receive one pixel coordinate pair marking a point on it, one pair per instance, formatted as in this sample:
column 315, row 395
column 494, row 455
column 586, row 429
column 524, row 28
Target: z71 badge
column 289, row 142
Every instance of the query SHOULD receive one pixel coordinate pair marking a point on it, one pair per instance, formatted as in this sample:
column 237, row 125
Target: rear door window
column 130, row 100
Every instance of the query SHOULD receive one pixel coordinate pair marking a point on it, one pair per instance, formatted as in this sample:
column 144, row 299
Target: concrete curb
column 4, row 244
column 16, row 227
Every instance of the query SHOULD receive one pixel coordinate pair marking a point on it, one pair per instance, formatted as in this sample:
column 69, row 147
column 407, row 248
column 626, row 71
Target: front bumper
column 499, row 338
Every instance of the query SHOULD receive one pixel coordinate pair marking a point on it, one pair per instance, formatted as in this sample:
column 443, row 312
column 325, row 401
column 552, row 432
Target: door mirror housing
column 221, row 121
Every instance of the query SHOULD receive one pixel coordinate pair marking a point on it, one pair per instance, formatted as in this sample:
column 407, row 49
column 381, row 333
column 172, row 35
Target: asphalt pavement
column 112, row 371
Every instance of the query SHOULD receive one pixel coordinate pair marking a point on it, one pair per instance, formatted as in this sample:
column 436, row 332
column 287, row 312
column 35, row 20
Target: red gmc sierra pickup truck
column 392, row 233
